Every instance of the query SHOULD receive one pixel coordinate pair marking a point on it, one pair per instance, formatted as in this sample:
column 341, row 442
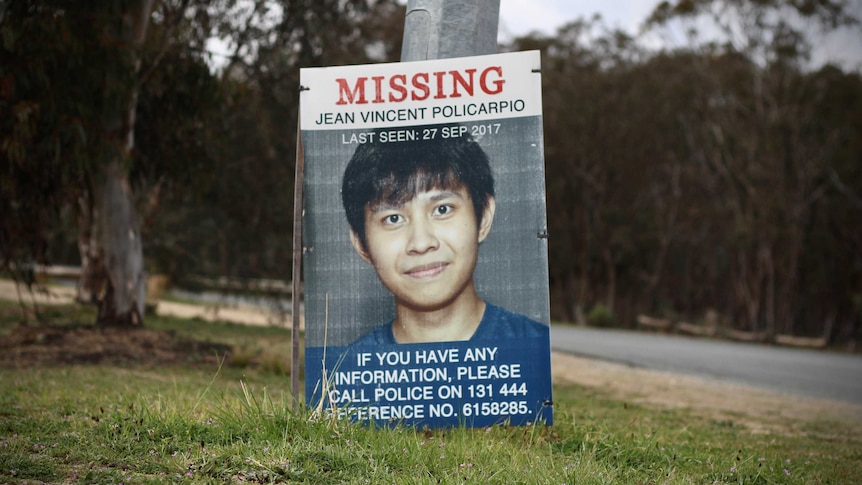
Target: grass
column 211, row 423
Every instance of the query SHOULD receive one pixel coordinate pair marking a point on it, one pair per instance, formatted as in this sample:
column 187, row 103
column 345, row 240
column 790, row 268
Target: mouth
column 426, row 270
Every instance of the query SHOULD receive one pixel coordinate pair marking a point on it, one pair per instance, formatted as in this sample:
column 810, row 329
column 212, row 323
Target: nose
column 422, row 237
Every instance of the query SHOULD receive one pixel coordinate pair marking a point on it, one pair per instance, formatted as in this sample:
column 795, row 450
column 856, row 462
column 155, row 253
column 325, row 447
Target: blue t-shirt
column 497, row 323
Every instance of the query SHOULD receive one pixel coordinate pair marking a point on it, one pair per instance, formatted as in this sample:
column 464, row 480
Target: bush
column 601, row 316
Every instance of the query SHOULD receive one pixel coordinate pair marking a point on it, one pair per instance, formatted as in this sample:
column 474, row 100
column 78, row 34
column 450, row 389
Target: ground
column 759, row 409
column 26, row 347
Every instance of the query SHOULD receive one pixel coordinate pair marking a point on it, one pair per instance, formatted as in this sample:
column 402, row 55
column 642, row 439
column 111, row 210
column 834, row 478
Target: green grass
column 207, row 423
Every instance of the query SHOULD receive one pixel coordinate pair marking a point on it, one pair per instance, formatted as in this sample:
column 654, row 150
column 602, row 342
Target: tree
column 751, row 129
column 85, row 80
column 719, row 178
column 73, row 72
column 236, row 224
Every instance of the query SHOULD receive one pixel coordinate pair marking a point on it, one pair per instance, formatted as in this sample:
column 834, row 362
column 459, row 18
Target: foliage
column 600, row 316
column 43, row 124
column 239, row 221
column 715, row 175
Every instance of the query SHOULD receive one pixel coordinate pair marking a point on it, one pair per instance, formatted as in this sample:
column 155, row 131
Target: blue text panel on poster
column 434, row 384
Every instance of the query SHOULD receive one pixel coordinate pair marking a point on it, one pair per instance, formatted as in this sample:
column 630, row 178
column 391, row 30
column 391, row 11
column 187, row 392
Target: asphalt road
column 813, row 373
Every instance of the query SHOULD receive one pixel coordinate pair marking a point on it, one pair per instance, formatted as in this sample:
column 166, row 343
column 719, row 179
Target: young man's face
column 424, row 251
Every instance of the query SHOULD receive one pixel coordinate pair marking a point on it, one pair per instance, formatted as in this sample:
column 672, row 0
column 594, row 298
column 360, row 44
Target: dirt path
column 247, row 314
column 760, row 410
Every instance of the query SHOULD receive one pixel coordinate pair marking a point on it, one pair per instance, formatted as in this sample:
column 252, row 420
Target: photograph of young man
column 418, row 212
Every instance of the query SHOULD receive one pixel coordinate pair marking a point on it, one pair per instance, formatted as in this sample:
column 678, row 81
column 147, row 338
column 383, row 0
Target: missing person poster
column 425, row 243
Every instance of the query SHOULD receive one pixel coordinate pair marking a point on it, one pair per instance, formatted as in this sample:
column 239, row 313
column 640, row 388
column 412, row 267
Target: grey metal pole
column 296, row 294
column 442, row 29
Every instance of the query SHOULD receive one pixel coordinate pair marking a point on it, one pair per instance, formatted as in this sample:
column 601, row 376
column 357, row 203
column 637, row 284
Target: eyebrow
column 382, row 206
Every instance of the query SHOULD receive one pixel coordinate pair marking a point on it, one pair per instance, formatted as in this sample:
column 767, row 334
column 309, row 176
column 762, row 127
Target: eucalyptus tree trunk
column 122, row 302
column 110, row 240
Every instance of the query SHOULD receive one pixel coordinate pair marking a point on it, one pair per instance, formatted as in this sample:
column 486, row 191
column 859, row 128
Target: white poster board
column 425, row 243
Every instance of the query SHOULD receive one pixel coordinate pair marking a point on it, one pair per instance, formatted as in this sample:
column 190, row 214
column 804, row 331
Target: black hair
column 393, row 172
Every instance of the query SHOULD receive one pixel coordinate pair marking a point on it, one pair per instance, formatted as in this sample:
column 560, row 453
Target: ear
column 359, row 248
column 487, row 218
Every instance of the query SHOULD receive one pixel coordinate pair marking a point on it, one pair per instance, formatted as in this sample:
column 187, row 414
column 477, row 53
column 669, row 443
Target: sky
column 519, row 17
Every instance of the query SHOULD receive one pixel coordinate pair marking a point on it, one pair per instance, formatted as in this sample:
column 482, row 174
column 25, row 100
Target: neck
column 456, row 321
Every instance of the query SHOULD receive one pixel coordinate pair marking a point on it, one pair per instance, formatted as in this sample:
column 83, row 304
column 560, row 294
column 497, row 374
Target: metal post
column 442, row 29
column 297, row 268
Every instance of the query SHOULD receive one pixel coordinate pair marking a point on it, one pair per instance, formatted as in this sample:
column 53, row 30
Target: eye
column 443, row 209
column 393, row 219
